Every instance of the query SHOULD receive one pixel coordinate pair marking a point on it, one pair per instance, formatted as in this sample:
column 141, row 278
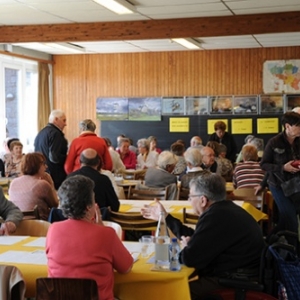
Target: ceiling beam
column 153, row 29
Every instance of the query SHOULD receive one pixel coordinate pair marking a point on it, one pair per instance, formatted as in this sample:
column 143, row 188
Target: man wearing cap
column 87, row 139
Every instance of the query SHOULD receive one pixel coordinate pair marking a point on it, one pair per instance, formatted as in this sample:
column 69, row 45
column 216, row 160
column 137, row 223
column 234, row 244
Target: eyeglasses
column 196, row 195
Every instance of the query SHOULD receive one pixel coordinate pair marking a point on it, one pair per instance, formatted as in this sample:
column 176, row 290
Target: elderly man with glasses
column 227, row 242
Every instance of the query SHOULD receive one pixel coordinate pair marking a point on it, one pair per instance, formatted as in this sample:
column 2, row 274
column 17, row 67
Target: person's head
column 193, row 157
column 107, row 141
column 181, row 142
column 33, row 163
column 249, row 138
column 195, row 141
column 215, row 146
column 167, row 161
column 7, row 143
column 58, row 118
column 123, row 145
column 77, row 199
column 89, row 157
column 143, row 146
column 222, row 150
column 208, row 156
column 220, row 128
column 152, row 142
column 249, row 153
column 177, row 148
column 121, row 136
column 296, row 109
column 16, row 148
column 87, row 125
column 205, row 189
column 291, row 124
column 257, row 143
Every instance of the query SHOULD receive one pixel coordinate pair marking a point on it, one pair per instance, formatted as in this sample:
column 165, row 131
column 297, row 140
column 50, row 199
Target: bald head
column 208, row 156
column 89, row 157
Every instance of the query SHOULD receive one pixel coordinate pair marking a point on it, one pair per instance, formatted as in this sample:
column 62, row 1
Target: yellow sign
column 211, row 125
column 267, row 125
column 241, row 126
column 179, row 124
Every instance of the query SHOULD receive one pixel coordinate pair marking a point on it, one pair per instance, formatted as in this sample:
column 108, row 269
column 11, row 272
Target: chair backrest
column 31, row 214
column 248, row 195
column 33, row 228
column 189, row 218
column 184, row 193
column 131, row 221
column 145, row 193
column 115, row 226
column 66, row 288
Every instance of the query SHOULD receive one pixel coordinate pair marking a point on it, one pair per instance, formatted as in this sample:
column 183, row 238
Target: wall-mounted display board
column 198, row 125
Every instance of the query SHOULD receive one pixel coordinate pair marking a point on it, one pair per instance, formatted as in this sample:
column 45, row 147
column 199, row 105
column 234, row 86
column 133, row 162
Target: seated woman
column 161, row 176
column 13, row 160
column 87, row 248
column 128, row 157
column 153, row 143
column 34, row 187
column 178, row 149
column 146, row 158
column 193, row 159
column 248, row 173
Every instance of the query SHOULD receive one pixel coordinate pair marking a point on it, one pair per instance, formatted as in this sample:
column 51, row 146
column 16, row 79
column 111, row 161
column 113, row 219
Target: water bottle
column 162, row 244
column 174, row 255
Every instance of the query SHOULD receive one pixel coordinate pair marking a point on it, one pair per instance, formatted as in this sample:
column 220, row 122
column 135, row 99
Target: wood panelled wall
column 80, row 79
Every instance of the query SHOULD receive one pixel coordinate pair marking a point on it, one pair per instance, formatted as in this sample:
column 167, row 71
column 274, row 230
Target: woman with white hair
column 161, row 175
column 146, row 158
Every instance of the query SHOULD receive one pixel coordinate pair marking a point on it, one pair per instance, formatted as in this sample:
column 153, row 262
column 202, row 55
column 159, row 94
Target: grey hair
column 87, row 125
column 193, row 157
column 258, row 144
column 123, row 140
column 211, row 185
column 143, row 143
column 166, row 158
column 57, row 113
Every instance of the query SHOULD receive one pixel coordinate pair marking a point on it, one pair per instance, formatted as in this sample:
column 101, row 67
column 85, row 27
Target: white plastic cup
column 147, row 245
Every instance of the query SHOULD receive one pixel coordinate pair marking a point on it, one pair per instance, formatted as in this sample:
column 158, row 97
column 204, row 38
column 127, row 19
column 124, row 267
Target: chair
column 184, row 193
column 131, row 221
column 142, row 192
column 12, row 285
column 66, row 288
column 189, row 218
column 32, row 228
column 116, row 227
column 31, row 214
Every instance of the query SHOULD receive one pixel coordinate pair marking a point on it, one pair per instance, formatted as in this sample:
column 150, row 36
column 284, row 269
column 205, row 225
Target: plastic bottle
column 174, row 255
column 162, row 244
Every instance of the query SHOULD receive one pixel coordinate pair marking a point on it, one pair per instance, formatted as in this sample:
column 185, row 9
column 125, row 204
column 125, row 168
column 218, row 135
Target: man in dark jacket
column 52, row 143
column 226, row 243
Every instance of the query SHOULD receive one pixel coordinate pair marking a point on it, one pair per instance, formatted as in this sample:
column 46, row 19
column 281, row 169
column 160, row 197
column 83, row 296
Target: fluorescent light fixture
column 188, row 43
column 120, row 7
column 66, row 47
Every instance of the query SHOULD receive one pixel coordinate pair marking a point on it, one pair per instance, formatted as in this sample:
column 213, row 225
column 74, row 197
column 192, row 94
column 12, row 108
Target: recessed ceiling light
column 120, row 7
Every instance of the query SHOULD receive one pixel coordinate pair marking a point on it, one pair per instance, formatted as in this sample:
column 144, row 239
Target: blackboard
column 198, row 126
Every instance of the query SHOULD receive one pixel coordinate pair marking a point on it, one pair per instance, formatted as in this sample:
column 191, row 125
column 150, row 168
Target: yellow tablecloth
column 140, row 283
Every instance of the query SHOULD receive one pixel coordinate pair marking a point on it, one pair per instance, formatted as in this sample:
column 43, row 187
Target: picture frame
column 112, row 109
column 292, row 101
column 244, row 105
column 221, row 104
column 144, row 109
column 196, row 105
column 271, row 104
column 173, row 106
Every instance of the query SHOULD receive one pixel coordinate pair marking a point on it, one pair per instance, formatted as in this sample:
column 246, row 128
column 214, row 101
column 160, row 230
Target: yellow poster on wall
column 267, row 125
column 179, row 124
column 241, row 126
column 211, row 123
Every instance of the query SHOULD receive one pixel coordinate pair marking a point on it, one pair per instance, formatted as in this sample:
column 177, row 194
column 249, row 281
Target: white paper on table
column 37, row 257
column 39, row 242
column 133, row 246
column 239, row 203
column 10, row 239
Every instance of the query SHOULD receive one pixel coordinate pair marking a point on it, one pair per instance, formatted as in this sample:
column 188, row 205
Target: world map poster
column 281, row 76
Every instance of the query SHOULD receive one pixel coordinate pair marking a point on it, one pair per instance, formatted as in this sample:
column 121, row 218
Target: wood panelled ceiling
column 136, row 30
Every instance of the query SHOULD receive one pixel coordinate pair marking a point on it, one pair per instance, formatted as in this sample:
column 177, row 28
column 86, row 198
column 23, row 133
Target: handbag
column 291, row 186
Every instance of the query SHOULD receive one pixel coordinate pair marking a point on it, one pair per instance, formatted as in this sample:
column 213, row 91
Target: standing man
column 52, row 143
column 87, row 139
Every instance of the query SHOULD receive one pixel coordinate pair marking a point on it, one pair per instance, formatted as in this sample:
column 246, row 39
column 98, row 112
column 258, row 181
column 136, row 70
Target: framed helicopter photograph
column 173, row 106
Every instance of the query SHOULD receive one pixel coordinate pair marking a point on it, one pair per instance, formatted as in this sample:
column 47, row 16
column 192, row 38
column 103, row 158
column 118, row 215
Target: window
column 18, row 99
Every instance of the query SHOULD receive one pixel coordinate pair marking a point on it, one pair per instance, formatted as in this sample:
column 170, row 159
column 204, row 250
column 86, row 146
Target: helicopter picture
column 173, row 106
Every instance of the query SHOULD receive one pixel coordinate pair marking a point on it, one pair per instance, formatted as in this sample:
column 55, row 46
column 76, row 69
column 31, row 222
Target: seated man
column 11, row 215
column 226, row 243
column 208, row 160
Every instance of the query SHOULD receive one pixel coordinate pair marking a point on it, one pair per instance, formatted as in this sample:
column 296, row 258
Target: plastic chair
column 32, row 228
column 66, row 288
column 116, row 227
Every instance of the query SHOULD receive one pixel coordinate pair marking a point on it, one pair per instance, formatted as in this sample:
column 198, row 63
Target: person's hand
column 98, row 216
column 8, row 228
column 257, row 189
column 184, row 241
column 152, row 211
column 289, row 168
